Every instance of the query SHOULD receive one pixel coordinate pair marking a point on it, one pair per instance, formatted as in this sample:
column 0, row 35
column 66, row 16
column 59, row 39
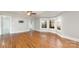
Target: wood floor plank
column 36, row 40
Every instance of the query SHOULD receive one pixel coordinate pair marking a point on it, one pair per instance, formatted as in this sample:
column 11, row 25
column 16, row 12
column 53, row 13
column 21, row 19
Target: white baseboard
column 71, row 38
column 20, row 31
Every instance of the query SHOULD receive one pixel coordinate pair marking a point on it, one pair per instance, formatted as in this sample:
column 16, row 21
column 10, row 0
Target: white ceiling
column 39, row 13
column 49, row 13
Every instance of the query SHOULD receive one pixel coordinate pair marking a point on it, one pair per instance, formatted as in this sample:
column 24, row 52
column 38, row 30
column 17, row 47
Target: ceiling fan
column 30, row 13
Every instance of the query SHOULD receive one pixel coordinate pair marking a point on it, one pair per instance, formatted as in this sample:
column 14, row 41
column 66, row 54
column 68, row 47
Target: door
column 5, row 27
column 5, row 31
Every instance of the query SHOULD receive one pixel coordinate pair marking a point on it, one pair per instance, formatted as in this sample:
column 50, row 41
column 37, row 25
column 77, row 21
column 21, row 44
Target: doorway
column 5, row 25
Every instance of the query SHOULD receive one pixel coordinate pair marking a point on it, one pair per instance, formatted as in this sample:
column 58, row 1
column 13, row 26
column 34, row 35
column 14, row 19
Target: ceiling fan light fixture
column 29, row 13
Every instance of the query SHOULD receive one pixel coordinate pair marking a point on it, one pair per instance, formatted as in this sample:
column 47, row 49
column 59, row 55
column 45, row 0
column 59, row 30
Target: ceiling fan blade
column 30, row 13
column 33, row 13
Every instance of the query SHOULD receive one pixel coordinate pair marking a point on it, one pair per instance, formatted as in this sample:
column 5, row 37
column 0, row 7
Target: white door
column 5, row 25
column 0, row 25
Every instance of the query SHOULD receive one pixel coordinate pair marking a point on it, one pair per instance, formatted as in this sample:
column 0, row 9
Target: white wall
column 19, row 27
column 15, row 26
column 29, row 22
column 70, row 22
column 36, row 23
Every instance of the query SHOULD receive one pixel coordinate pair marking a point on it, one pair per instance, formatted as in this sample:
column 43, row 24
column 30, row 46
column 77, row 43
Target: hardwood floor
column 36, row 40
